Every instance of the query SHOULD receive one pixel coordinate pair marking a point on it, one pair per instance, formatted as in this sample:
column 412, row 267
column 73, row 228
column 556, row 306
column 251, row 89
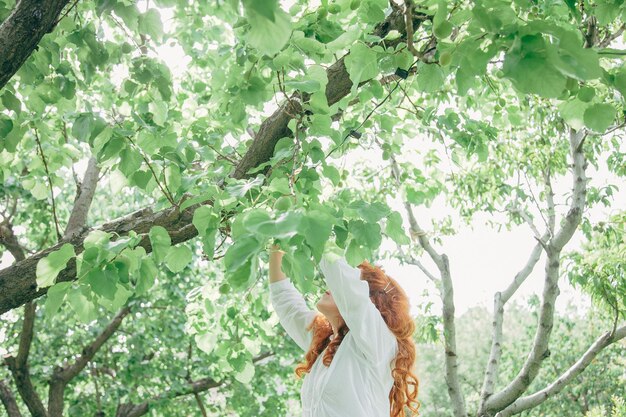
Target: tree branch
column 8, row 399
column 533, row 400
column 22, row 30
column 82, row 202
column 192, row 387
column 500, row 299
column 610, row 37
column 579, row 191
column 530, row 223
column 449, row 333
column 25, row 387
column 19, row 365
column 64, row 374
column 550, row 200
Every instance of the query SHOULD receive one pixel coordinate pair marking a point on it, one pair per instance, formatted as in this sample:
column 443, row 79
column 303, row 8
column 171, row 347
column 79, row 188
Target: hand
column 275, row 248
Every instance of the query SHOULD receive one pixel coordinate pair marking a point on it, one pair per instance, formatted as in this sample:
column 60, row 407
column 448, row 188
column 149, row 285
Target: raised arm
column 351, row 294
column 293, row 313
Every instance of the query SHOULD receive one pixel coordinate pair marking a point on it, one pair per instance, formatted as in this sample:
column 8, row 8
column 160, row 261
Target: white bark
column 500, row 299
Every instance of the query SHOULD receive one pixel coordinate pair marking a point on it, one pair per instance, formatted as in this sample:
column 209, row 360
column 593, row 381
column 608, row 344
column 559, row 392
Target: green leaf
column 465, row 79
column 130, row 161
column 160, row 241
column 344, row 40
column 208, row 243
column 111, row 149
column 205, row 219
column 96, row 238
column 241, row 278
column 280, row 185
column 172, row 177
column 268, row 36
column 332, row 174
column 206, row 341
column 316, row 227
column 573, row 112
column 307, row 86
column 619, row 81
column 373, row 212
column 49, row 267
column 300, row 268
column 55, row 296
column 122, row 294
column 370, row 12
column 573, row 60
column 355, row 253
column 287, row 224
column 606, row 12
column 599, row 116
column 430, row 78
column 239, row 188
column 11, row 102
column 81, row 129
column 365, row 234
column 530, row 71
column 442, row 28
column 147, row 275
column 361, row 63
column 586, row 94
column 258, row 221
column 102, row 282
column 240, row 251
column 83, row 307
column 310, row 46
column 264, row 8
column 6, row 125
column 178, row 258
column 395, row 230
column 159, row 111
column 150, row 23
column 245, row 376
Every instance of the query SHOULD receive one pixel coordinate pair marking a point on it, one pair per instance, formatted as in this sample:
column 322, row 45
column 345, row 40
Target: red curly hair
column 394, row 308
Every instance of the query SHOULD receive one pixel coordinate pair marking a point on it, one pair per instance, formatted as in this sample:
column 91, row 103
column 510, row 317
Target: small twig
column 66, row 13
column 232, row 161
column 532, row 194
column 165, row 192
column 45, row 164
column 125, row 31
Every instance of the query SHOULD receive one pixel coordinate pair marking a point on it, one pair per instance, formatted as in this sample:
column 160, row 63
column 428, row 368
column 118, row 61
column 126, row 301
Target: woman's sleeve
column 293, row 313
column 351, row 294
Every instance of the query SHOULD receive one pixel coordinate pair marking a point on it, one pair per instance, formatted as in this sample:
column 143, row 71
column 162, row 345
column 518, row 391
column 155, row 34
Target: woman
column 359, row 350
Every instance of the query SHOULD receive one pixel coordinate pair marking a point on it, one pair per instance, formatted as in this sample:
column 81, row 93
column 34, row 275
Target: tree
column 460, row 77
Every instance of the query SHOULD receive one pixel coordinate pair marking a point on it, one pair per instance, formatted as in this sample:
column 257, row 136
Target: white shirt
column 358, row 381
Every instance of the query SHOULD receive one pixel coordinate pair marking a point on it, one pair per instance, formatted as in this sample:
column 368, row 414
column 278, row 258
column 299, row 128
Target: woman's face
column 326, row 305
